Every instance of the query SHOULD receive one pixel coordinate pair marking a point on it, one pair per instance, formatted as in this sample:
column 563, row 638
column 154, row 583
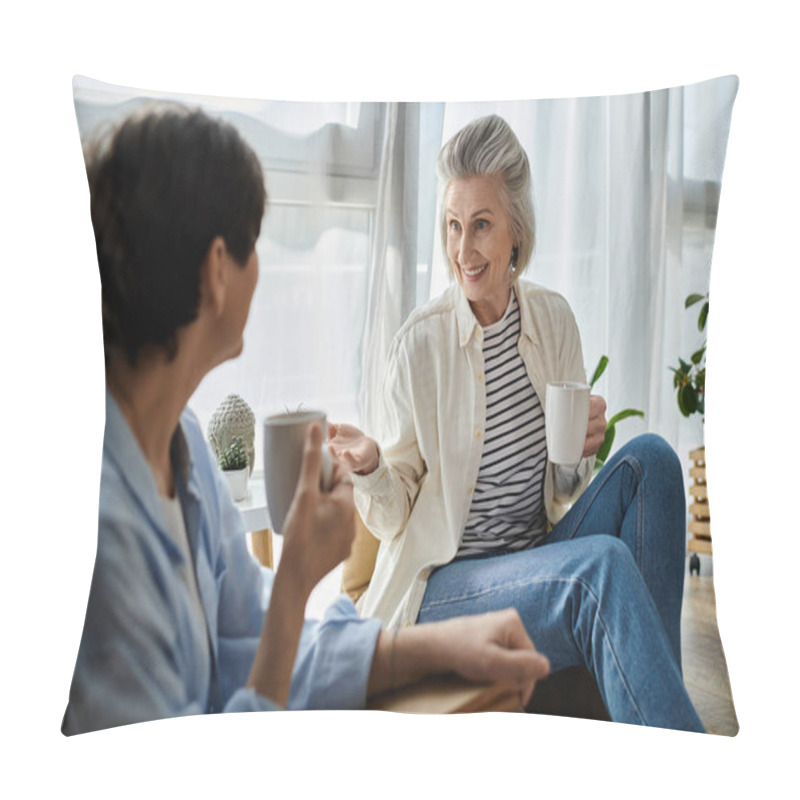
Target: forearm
column 271, row 673
column 384, row 498
column 481, row 648
column 404, row 657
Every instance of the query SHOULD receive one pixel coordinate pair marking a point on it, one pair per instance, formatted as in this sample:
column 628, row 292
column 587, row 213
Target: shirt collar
column 121, row 446
column 467, row 322
column 180, row 455
column 525, row 318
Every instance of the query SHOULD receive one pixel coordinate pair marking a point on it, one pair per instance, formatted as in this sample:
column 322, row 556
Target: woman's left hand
column 596, row 429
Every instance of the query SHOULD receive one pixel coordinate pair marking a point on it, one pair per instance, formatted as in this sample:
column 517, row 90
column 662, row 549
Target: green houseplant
column 235, row 465
column 611, row 425
column 690, row 376
column 689, row 381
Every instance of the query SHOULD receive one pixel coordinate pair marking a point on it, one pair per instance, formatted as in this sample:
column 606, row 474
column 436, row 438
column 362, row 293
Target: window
column 322, row 167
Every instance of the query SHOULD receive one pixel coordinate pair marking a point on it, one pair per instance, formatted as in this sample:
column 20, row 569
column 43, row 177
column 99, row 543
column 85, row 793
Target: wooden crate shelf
column 700, row 524
column 699, row 510
column 698, row 546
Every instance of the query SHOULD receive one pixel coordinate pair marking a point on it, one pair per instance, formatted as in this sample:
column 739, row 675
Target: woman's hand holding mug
column 575, row 422
column 596, row 429
column 320, row 524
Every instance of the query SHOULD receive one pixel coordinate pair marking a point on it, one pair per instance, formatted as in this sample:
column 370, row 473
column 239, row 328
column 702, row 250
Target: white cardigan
column 433, row 414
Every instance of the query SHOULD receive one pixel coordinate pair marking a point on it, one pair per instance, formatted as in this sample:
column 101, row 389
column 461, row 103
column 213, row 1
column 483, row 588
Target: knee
column 654, row 454
column 602, row 577
column 607, row 561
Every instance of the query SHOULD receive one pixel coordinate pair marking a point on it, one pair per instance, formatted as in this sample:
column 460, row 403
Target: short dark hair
column 163, row 184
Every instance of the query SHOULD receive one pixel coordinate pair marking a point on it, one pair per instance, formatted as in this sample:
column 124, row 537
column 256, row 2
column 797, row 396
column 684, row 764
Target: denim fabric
column 603, row 589
column 639, row 497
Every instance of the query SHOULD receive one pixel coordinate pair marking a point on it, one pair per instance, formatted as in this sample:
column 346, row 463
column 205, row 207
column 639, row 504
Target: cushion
column 611, row 145
column 358, row 568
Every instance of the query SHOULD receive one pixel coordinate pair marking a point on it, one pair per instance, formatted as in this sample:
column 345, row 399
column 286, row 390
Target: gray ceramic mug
column 284, row 441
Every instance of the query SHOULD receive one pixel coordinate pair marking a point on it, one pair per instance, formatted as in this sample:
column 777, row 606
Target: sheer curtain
column 402, row 243
column 626, row 191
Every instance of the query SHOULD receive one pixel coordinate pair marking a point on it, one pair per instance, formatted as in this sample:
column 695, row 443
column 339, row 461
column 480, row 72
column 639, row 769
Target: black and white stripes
column 507, row 510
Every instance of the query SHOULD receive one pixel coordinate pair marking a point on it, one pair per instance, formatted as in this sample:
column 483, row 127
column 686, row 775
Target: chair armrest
column 359, row 566
column 262, row 547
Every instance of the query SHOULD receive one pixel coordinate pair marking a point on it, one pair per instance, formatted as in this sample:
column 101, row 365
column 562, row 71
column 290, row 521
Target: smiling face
column 480, row 244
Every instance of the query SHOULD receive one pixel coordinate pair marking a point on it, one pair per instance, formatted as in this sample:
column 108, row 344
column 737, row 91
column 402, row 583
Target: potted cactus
column 233, row 417
column 235, row 466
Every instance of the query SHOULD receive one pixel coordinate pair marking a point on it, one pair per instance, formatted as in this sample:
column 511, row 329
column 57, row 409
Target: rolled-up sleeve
column 385, row 497
column 334, row 660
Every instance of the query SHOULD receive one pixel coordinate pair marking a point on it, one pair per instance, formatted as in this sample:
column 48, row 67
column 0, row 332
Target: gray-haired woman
column 470, row 513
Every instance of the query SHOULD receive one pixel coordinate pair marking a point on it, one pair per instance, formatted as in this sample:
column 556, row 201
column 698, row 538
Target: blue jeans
column 603, row 589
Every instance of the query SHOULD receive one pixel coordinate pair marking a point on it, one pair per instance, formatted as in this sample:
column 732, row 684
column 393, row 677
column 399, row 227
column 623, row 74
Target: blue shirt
column 138, row 658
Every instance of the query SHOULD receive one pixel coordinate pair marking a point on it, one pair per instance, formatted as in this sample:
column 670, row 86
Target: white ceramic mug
column 284, row 441
column 566, row 420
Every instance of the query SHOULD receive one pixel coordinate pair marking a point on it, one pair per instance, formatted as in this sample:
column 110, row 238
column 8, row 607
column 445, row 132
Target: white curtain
column 402, row 241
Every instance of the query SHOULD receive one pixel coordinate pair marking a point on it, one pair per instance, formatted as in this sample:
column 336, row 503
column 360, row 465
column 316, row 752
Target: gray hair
column 487, row 147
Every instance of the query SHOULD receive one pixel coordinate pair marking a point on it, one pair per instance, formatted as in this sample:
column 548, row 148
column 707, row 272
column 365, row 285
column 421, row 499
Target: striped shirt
column 507, row 511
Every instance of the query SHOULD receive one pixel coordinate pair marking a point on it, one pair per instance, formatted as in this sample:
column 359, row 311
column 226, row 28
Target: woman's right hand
column 354, row 448
column 320, row 526
column 493, row 646
column 483, row 648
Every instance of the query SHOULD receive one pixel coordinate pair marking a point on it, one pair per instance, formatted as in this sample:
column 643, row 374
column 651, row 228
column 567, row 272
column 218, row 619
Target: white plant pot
column 237, row 480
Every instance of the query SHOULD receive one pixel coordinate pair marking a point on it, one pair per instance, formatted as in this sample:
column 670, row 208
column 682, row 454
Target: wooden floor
column 704, row 669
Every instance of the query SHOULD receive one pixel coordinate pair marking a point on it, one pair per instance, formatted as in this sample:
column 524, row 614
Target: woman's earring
column 513, row 264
